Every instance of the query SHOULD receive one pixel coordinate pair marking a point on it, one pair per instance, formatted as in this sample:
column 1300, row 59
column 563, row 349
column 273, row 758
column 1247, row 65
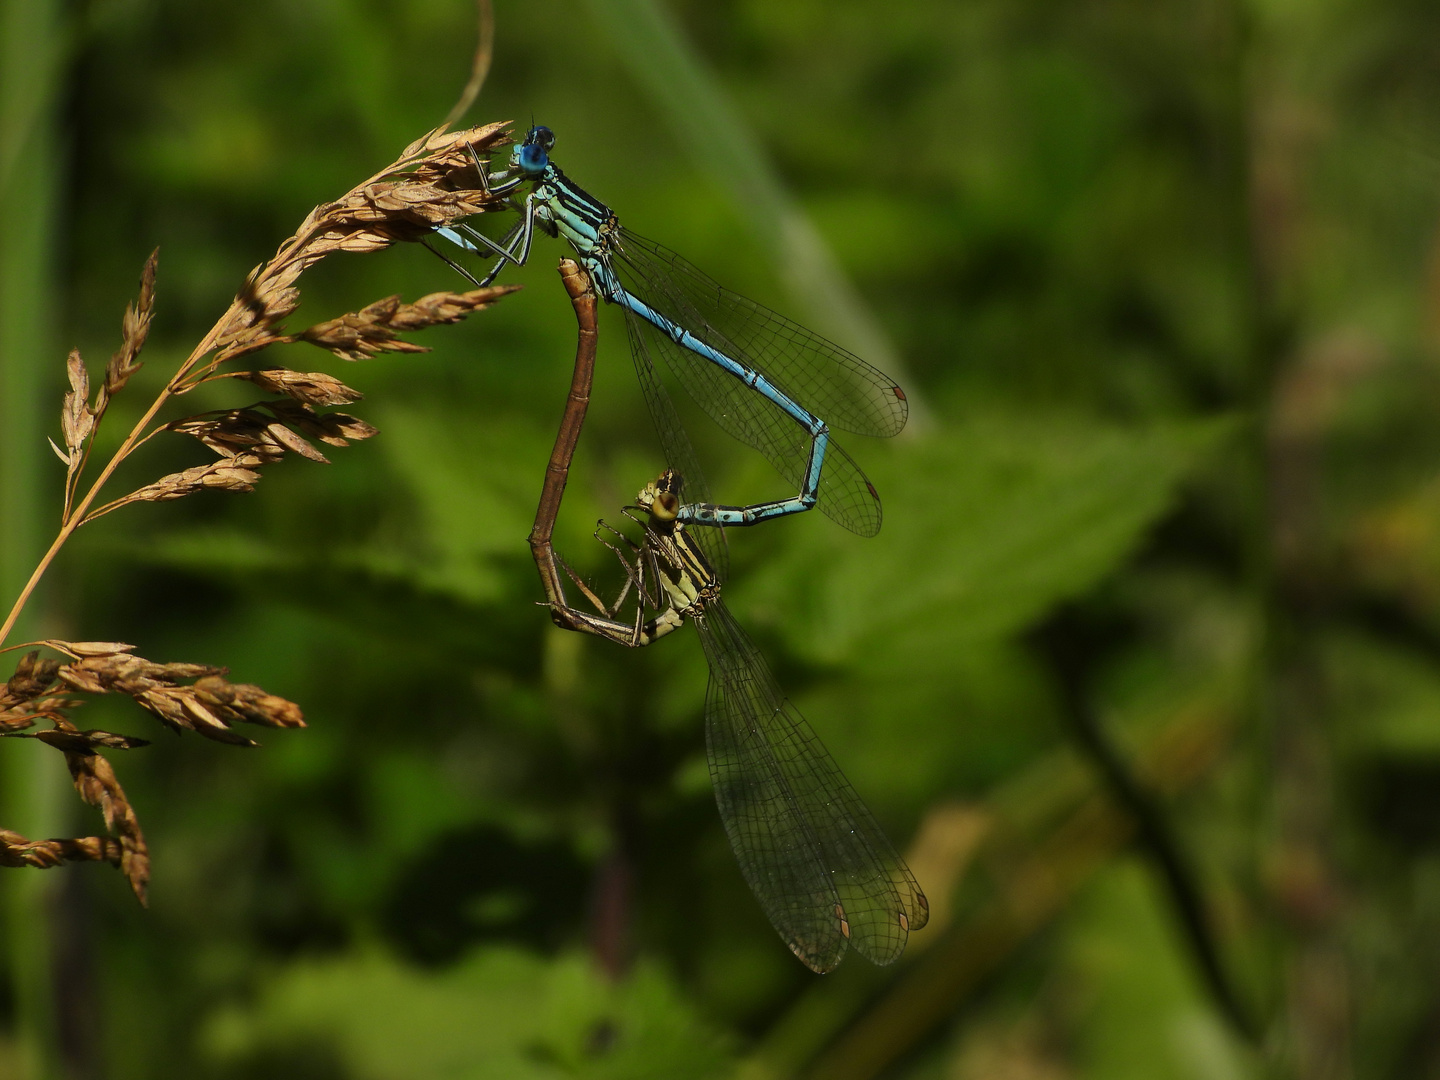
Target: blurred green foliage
column 1163, row 277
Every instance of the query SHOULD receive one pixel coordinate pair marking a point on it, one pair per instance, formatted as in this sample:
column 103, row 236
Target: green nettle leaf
column 986, row 527
column 501, row 1014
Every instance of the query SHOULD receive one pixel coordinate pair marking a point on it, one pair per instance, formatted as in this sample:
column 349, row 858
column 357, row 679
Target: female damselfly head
column 661, row 497
column 532, row 156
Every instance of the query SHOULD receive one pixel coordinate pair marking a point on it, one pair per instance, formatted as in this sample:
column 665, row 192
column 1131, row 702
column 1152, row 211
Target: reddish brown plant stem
column 557, row 472
column 610, row 901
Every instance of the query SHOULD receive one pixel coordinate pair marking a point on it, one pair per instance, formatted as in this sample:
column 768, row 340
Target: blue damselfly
column 765, row 380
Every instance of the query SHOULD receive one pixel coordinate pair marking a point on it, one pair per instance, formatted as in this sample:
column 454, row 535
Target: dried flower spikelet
column 79, row 649
column 13, row 720
column 228, row 474
column 245, row 701
column 20, row 704
column 446, row 307
column 207, row 721
column 310, row 387
column 177, row 708
column 73, row 741
column 275, row 304
column 375, row 328
column 32, row 677
column 96, row 782
column 125, row 674
column 351, row 338
column 233, row 432
column 237, row 473
column 293, row 442
column 135, row 329
column 15, row 850
column 79, row 416
column 245, row 440
column 333, row 429
column 208, row 707
column 76, row 420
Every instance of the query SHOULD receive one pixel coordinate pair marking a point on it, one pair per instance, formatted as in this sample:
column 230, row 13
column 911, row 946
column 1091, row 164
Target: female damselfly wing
column 809, row 847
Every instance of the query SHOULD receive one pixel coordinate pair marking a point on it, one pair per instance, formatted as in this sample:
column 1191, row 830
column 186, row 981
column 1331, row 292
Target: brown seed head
column 136, row 328
column 375, row 329
column 310, row 387
column 432, row 183
column 95, row 781
column 15, row 850
column 32, row 677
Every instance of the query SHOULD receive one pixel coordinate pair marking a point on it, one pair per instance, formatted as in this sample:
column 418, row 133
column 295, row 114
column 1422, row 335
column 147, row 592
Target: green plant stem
column 31, row 57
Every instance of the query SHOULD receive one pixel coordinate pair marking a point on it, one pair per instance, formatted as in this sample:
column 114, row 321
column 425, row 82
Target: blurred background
column 1143, row 671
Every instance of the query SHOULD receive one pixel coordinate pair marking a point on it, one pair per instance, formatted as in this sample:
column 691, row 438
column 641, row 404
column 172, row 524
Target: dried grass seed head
column 375, row 328
column 135, row 328
column 97, row 784
column 32, row 677
column 311, row 387
column 17, row 851
column 76, row 420
column 433, row 183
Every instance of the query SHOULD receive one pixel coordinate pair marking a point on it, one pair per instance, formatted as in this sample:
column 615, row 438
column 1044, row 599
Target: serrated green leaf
column 986, row 528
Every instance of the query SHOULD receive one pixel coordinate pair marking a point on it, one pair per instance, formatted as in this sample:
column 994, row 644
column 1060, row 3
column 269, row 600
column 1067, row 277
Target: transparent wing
column 810, row 849
column 675, row 444
column 846, row 494
column 835, row 385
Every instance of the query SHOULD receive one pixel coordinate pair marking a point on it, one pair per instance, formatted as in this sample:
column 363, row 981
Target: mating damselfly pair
column 765, row 380
column 811, row 851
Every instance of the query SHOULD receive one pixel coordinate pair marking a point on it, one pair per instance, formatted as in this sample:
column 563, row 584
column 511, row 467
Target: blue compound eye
column 531, row 159
column 542, row 137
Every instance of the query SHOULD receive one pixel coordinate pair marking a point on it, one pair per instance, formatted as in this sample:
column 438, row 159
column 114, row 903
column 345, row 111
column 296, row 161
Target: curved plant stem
column 582, row 296
column 479, row 66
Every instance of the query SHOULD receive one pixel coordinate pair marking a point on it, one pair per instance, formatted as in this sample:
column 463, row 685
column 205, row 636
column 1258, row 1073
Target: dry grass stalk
column 183, row 697
column 434, row 182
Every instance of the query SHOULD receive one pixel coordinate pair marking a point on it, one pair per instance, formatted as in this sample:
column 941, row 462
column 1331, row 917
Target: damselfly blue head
column 532, row 157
